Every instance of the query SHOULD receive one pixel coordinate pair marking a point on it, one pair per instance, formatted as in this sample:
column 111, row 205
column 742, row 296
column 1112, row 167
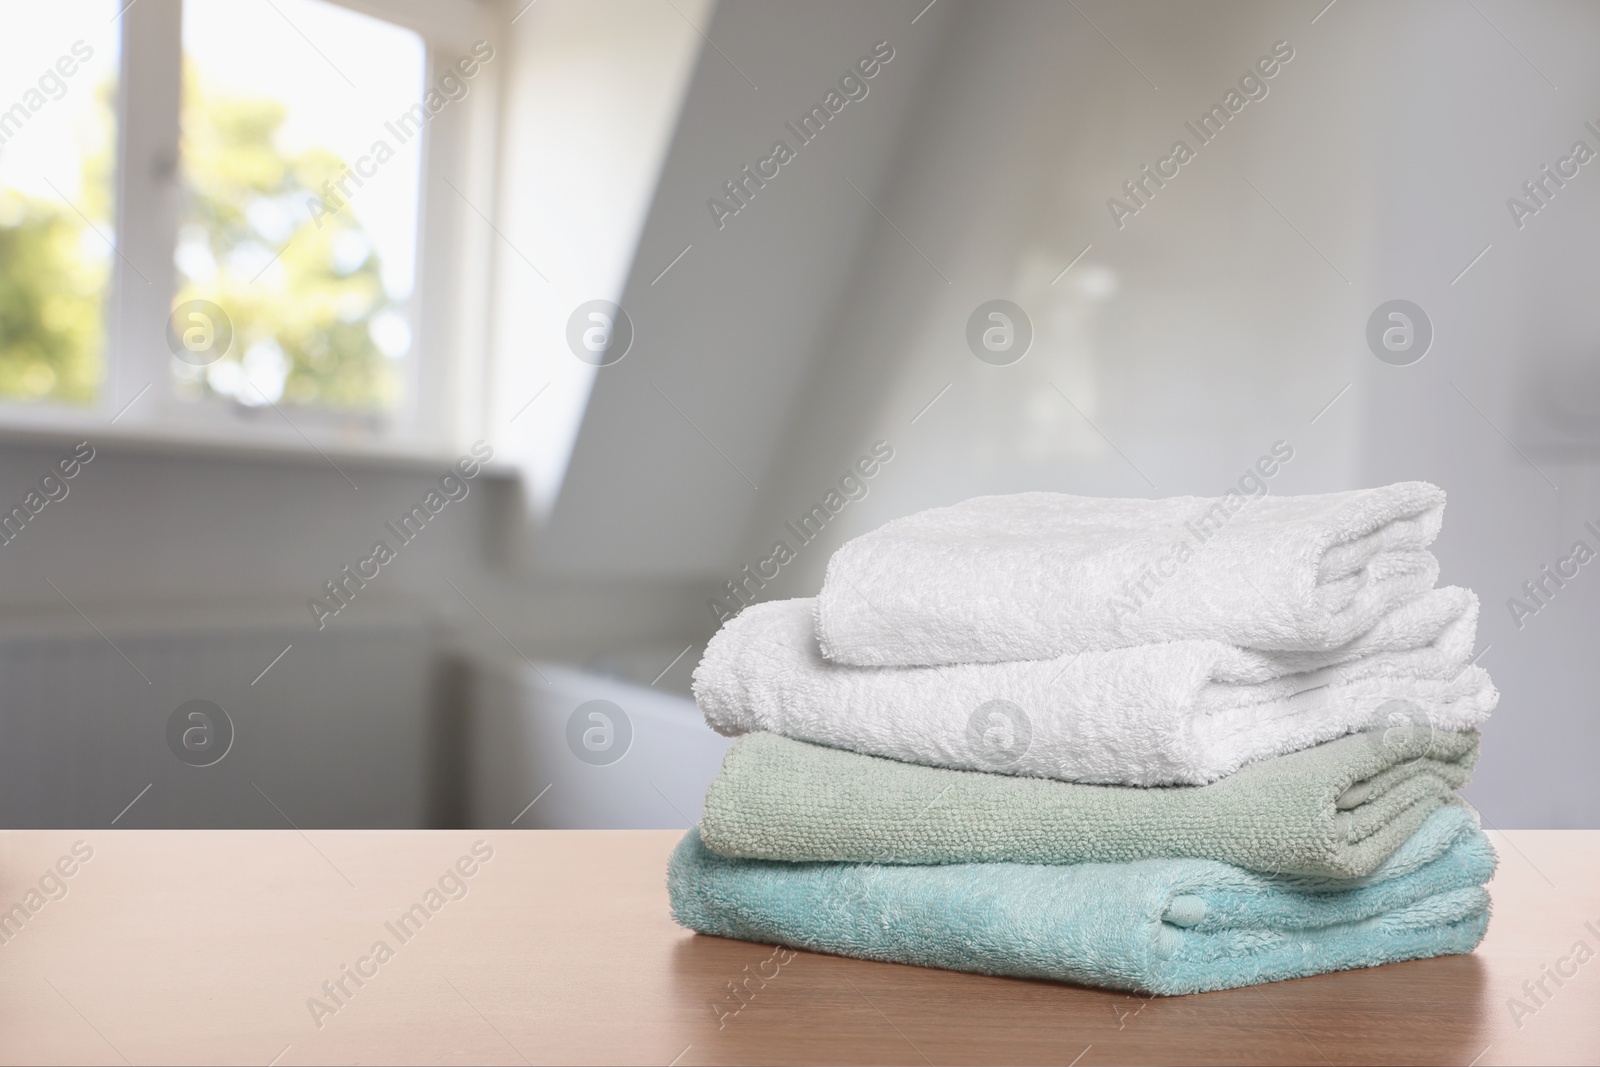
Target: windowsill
column 178, row 442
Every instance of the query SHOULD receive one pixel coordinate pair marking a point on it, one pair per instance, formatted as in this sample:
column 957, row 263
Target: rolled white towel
column 1182, row 712
column 1036, row 575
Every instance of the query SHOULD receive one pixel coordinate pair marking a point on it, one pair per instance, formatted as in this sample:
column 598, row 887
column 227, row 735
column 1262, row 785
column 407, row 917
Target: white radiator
column 338, row 733
column 533, row 738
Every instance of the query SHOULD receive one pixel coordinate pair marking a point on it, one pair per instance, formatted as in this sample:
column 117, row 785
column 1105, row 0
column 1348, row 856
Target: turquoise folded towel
column 1162, row 926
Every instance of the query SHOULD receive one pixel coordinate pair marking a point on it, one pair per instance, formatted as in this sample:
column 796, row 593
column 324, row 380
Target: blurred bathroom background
column 578, row 252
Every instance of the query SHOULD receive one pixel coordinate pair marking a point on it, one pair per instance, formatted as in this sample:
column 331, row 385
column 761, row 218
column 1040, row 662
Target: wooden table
column 208, row 947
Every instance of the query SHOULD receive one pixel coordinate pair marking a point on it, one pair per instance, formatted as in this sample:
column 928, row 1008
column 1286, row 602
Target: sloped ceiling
column 681, row 437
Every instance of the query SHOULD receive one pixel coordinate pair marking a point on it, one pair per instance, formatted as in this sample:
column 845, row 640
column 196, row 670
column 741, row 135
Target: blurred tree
column 51, row 297
column 54, row 272
column 303, row 322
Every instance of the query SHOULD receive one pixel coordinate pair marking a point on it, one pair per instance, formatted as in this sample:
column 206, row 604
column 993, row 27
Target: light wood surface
column 205, row 947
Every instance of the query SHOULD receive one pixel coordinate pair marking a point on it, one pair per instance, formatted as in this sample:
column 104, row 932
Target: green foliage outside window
column 54, row 271
column 310, row 312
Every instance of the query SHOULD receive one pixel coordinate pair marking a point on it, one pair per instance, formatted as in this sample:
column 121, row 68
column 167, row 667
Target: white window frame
column 443, row 400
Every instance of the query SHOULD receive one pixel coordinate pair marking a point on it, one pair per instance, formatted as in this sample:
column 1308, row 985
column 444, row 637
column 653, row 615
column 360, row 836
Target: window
column 58, row 86
column 243, row 220
column 313, row 271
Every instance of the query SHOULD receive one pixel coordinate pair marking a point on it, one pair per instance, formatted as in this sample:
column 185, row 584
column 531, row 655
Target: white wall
column 149, row 547
column 1467, row 120
column 809, row 326
column 730, row 333
column 593, row 89
column 1221, row 318
column 1190, row 340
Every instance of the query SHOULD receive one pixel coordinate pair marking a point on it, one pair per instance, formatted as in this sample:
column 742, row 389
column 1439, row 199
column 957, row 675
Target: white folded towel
column 1183, row 712
column 1036, row 575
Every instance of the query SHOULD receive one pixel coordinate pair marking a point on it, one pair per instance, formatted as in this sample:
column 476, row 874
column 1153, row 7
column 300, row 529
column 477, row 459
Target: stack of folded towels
column 1168, row 746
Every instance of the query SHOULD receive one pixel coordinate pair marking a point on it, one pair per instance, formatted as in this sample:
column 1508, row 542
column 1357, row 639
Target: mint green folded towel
column 1337, row 809
column 1161, row 926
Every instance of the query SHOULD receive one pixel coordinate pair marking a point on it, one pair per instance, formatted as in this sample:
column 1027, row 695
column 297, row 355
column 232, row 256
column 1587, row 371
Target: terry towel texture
column 1037, row 575
column 1337, row 810
column 1161, row 926
column 1183, row 712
